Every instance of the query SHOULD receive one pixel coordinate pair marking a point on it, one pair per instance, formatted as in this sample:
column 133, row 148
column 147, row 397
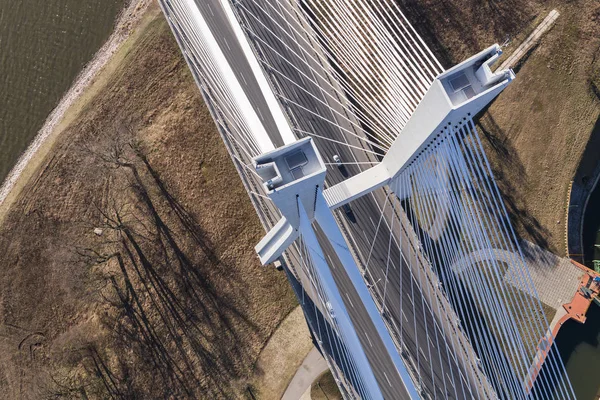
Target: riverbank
column 119, row 277
column 131, row 18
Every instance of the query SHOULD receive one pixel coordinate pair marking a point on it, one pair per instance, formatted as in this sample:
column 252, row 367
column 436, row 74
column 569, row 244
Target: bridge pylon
column 455, row 95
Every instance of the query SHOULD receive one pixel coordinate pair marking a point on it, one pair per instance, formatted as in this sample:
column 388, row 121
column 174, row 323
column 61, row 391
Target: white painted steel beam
column 341, row 318
column 301, row 201
column 282, row 124
column 326, row 221
column 294, row 176
column 209, row 44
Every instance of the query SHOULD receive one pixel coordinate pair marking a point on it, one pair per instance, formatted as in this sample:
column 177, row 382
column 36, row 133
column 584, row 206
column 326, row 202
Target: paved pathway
column 312, row 366
column 530, row 41
column 556, row 279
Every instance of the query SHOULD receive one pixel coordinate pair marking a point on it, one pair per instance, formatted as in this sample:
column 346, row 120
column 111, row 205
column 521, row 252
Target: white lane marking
column 331, row 261
column 423, row 353
column 404, row 315
column 365, row 235
column 260, row 114
column 226, row 44
column 367, row 336
column 431, row 341
column 451, row 382
column 348, row 297
column 210, row 8
column 372, row 222
column 244, row 79
column 387, row 379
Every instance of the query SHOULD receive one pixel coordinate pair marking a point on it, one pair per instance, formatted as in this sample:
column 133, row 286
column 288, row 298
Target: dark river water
column 579, row 345
column 591, row 228
column 44, row 44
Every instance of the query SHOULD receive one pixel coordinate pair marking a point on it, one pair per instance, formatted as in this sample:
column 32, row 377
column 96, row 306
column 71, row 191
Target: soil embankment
column 127, row 267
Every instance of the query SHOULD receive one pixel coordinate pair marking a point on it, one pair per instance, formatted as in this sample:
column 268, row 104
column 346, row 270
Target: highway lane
column 321, row 329
column 423, row 331
column 314, row 122
column 389, row 380
column 309, row 122
column 225, row 37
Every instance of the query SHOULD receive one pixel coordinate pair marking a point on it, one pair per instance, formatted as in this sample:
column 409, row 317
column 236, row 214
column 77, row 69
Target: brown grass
column 537, row 130
column 456, row 29
column 170, row 301
column 325, row 388
column 281, row 357
column 536, row 147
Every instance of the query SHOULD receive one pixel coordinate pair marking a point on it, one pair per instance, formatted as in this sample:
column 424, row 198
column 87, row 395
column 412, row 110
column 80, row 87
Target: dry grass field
column 325, row 388
column 127, row 267
column 537, row 130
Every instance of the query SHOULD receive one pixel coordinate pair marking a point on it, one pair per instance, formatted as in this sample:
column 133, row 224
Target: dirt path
column 313, row 366
column 282, row 356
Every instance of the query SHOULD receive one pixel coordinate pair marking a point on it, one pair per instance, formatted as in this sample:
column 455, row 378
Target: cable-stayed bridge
column 362, row 159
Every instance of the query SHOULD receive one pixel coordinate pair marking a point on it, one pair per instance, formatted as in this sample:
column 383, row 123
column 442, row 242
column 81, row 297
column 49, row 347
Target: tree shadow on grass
column 525, row 223
column 501, row 19
column 185, row 333
column 187, row 220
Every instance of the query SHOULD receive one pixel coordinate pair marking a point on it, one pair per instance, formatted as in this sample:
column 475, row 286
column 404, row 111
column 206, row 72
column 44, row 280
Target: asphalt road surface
column 385, row 371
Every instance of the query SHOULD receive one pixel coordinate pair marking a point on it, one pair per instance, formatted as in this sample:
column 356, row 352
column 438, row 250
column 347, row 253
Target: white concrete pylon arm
column 455, row 95
column 330, row 228
column 282, row 124
column 342, row 318
column 357, row 186
column 276, row 241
